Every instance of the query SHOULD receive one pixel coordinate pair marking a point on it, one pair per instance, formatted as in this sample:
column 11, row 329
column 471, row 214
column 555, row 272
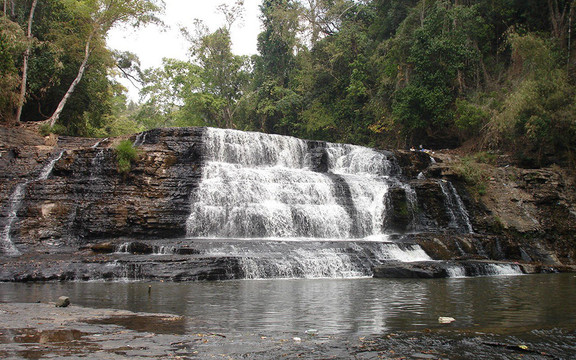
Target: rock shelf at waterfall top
column 215, row 204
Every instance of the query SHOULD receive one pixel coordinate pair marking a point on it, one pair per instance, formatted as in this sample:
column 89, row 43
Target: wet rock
column 86, row 198
column 401, row 213
column 422, row 270
column 139, row 248
column 433, row 213
column 412, row 162
column 63, row 301
column 423, row 356
column 318, row 156
column 103, row 248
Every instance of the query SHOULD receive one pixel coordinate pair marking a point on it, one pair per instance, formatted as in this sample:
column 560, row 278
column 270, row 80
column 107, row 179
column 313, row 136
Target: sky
column 153, row 43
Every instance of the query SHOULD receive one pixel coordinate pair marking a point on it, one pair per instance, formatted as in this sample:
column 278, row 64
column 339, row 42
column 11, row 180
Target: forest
column 491, row 75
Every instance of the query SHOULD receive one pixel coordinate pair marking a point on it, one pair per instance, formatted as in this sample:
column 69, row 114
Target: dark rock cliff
column 86, row 198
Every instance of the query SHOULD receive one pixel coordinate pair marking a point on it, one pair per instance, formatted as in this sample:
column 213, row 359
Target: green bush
column 469, row 117
column 126, row 153
column 473, row 174
column 486, row 157
column 58, row 129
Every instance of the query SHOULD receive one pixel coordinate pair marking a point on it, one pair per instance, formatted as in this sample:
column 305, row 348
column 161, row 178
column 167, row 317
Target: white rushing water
column 262, row 186
column 312, row 259
column 487, row 269
column 15, row 201
column 47, row 170
column 458, row 214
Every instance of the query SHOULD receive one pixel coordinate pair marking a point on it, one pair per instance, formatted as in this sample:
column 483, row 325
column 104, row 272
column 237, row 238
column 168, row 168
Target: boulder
column 63, row 301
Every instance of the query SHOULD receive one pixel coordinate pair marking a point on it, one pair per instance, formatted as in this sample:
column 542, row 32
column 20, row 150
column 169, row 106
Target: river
column 504, row 304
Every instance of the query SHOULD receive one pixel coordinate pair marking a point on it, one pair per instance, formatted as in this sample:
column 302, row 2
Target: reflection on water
column 360, row 306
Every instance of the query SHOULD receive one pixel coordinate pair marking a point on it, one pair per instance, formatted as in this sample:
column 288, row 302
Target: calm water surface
column 355, row 306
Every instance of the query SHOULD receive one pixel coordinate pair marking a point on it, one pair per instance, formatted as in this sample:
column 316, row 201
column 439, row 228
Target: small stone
column 424, row 356
column 446, row 320
column 63, row 301
column 311, row 332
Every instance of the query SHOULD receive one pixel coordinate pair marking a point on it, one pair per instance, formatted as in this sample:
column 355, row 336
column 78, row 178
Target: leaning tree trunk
column 72, row 87
column 22, row 97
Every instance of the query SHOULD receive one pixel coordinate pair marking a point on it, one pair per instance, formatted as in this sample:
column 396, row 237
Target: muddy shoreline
column 41, row 330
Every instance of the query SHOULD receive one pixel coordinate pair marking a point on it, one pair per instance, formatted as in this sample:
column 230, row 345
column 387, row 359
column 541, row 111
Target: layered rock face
column 65, row 206
column 85, row 197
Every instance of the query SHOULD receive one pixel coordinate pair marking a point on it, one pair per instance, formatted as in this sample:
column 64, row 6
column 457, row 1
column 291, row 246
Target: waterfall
column 260, row 186
column 503, row 269
column 313, row 259
column 96, row 163
column 47, row 170
column 140, row 139
column 285, row 218
column 483, row 269
column 459, row 218
column 15, row 202
column 98, row 143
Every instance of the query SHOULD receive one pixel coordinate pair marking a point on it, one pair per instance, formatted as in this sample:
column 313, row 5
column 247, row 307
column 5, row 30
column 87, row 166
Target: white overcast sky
column 152, row 43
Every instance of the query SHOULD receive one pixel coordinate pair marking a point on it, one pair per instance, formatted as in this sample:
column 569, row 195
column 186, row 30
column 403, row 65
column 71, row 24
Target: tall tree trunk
column 22, row 97
column 72, row 87
column 558, row 19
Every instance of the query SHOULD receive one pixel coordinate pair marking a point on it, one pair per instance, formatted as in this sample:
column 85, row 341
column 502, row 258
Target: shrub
column 486, row 157
column 126, row 153
column 58, row 129
column 473, row 174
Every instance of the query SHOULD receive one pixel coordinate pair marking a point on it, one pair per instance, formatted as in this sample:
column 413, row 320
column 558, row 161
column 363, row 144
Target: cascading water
column 483, row 269
column 140, row 139
column 261, row 188
column 458, row 215
column 97, row 161
column 98, row 143
column 15, row 202
column 47, row 170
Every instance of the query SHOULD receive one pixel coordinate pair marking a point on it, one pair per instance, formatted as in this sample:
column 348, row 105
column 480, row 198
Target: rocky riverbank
column 33, row 331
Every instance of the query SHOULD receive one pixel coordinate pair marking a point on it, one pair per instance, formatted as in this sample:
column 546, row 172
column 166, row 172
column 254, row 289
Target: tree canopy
column 390, row 73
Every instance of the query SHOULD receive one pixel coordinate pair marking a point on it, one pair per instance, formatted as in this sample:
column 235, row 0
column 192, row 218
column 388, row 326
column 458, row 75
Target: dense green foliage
column 390, row 73
column 67, row 43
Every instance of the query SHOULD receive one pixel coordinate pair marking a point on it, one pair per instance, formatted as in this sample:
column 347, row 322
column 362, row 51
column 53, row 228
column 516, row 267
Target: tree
column 168, row 92
column 437, row 58
column 561, row 14
column 12, row 45
column 22, row 97
column 273, row 68
column 223, row 77
column 203, row 91
column 99, row 16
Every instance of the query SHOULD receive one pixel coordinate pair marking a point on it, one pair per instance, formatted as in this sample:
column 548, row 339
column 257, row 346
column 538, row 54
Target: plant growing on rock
column 126, row 153
column 473, row 174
